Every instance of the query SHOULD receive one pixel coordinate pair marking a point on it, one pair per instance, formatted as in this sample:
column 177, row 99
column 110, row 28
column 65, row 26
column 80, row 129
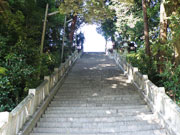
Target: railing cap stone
column 47, row 78
column 56, row 69
column 32, row 91
column 145, row 77
column 161, row 89
column 135, row 69
column 4, row 116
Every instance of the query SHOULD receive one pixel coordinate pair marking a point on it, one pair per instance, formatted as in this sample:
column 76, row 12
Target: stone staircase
column 96, row 99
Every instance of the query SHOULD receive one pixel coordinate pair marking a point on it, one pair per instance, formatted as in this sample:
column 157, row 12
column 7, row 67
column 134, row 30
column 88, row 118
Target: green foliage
column 6, row 94
column 171, row 80
column 49, row 62
column 20, row 34
column 91, row 10
column 2, row 71
column 14, row 82
column 166, row 49
column 145, row 65
column 107, row 29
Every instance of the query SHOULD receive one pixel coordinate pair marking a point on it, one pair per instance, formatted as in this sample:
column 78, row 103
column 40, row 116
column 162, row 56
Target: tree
column 172, row 10
column 20, row 34
column 146, row 28
column 162, row 35
column 90, row 10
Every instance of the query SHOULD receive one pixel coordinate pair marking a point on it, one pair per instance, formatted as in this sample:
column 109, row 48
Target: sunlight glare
column 94, row 42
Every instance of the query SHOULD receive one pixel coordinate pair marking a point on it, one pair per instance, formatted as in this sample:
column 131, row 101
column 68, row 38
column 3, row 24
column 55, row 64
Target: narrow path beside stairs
column 96, row 99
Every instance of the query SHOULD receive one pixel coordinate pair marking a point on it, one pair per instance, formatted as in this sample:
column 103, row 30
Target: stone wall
column 23, row 118
column 167, row 111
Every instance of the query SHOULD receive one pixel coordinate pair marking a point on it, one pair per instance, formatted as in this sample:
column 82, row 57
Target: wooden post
column 62, row 51
column 44, row 30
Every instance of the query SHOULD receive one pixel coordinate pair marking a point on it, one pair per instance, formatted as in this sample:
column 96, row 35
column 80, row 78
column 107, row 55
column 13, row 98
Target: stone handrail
column 23, row 118
column 162, row 105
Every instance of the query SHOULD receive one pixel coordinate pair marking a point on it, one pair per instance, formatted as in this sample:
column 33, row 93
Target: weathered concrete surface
column 96, row 99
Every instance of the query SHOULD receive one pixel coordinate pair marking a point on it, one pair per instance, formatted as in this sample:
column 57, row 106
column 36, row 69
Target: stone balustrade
column 23, row 118
column 163, row 106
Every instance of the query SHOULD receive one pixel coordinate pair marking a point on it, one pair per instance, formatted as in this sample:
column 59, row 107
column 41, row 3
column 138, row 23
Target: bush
column 145, row 64
column 171, row 81
column 14, row 81
column 170, row 78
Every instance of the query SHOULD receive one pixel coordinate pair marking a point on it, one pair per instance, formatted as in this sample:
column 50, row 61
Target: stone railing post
column 48, row 78
column 34, row 103
column 56, row 70
column 135, row 78
column 159, row 100
column 5, row 118
column 144, row 82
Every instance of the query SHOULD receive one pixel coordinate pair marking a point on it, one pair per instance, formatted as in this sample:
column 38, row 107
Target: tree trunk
column 146, row 28
column 163, row 35
column 163, row 23
column 73, row 27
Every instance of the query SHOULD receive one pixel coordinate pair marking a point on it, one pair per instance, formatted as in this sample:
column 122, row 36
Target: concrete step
column 123, row 85
column 56, row 104
column 97, row 93
column 97, row 103
column 92, row 124
column 92, row 115
column 98, row 85
column 147, row 132
column 99, row 98
column 94, row 94
column 99, row 78
column 90, row 91
column 106, row 114
column 100, row 95
column 116, row 118
column 110, row 82
column 96, row 100
column 86, row 82
column 86, row 130
column 98, row 112
column 98, row 108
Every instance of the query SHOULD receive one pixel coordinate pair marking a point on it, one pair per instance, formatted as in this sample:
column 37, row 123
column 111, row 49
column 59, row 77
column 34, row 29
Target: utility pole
column 42, row 39
column 44, row 29
column 64, row 33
